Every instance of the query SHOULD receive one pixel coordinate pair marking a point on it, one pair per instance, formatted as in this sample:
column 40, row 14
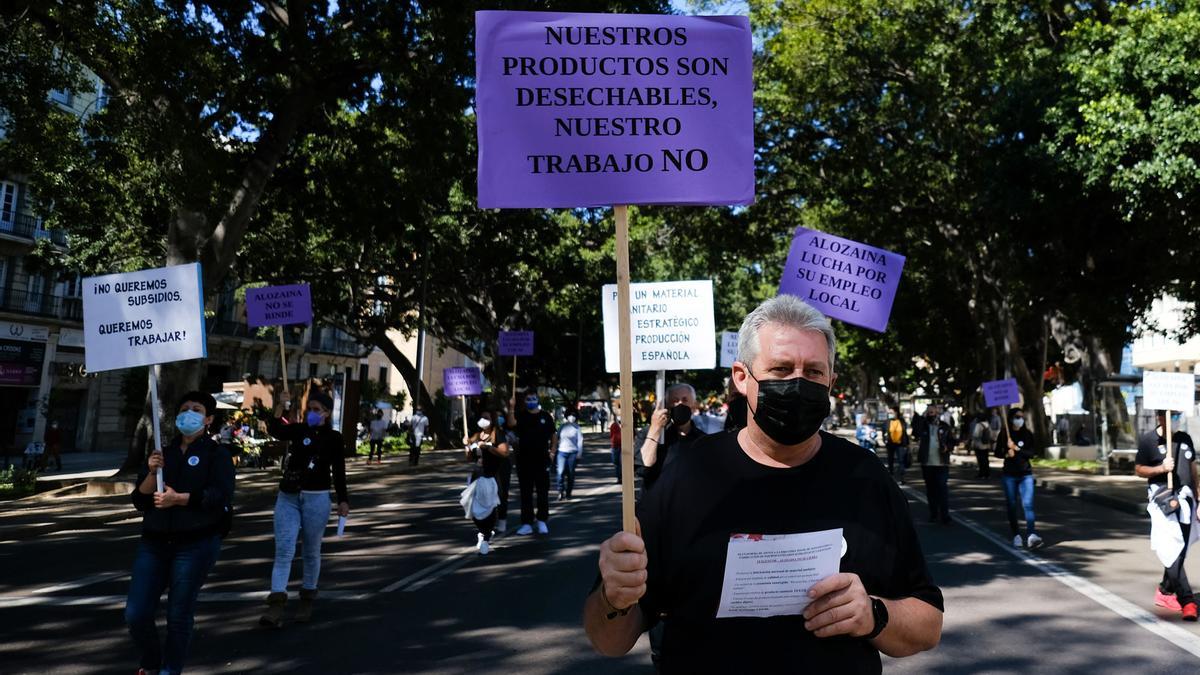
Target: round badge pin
column 308, row 441
column 1188, row 455
column 193, row 460
column 845, row 547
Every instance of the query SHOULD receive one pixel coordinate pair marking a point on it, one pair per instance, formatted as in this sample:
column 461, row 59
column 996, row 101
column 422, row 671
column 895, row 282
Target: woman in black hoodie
column 181, row 533
column 314, row 463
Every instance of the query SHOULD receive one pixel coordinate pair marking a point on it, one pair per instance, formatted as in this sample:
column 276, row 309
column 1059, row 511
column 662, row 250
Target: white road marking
column 1100, row 595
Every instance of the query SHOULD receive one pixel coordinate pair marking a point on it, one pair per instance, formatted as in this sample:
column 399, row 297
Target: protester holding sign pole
column 777, row 549
column 182, row 527
column 481, row 498
column 313, row 465
column 672, row 422
column 1166, row 458
column 1017, row 446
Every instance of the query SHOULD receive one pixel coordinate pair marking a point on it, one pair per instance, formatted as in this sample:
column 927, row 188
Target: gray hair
column 681, row 385
column 786, row 310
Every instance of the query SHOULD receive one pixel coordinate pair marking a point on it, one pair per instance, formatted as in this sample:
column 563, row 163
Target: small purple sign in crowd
column 999, row 393
column 516, row 343
column 846, row 280
column 597, row 109
column 278, row 305
column 462, row 381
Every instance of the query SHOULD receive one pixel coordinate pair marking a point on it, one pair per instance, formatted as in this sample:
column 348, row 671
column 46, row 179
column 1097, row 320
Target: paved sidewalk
column 30, row 517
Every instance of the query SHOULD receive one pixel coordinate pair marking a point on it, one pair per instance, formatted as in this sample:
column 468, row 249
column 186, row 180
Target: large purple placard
column 846, row 280
column 596, row 109
column 278, row 305
column 516, row 343
column 462, row 381
column 1001, row 392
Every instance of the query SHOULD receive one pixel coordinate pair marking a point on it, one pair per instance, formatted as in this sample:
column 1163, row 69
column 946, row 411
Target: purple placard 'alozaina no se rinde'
column 1001, row 392
column 516, row 343
column 278, row 305
column 597, row 109
column 462, row 381
column 844, row 279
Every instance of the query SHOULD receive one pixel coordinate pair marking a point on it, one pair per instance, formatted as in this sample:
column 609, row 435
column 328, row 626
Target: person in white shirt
column 570, row 445
column 419, row 424
column 376, row 429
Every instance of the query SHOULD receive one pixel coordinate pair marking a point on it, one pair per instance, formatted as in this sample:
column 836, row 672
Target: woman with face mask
column 182, row 528
column 570, row 446
column 1018, row 476
column 481, row 499
column 312, row 466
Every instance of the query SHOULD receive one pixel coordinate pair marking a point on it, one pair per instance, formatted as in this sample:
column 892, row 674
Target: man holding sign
column 779, row 485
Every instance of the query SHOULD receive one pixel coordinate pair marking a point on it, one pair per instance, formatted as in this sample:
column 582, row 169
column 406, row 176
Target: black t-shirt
column 715, row 490
column 672, row 439
column 1153, row 447
column 535, row 430
column 489, row 462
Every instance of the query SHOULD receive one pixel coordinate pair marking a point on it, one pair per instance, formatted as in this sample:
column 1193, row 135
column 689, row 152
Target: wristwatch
column 880, row 612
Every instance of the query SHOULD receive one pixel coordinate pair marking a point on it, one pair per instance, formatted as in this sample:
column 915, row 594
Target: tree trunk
column 441, row 428
column 1031, row 390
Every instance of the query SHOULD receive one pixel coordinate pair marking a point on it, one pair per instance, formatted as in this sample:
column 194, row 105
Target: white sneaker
column 482, row 545
column 1034, row 541
column 501, row 527
column 524, row 529
column 541, row 527
column 1017, row 541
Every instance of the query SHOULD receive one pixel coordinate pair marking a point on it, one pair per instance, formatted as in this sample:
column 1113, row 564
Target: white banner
column 729, row 348
column 142, row 318
column 11, row 330
column 1168, row 391
column 671, row 326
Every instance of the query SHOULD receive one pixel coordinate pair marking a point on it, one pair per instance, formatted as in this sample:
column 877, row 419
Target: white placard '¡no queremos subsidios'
column 1168, row 391
column 144, row 317
column 671, row 326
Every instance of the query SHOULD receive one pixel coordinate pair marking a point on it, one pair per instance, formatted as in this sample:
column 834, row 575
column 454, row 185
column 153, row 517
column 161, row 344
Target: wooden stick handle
column 463, row 398
column 282, row 359
column 1167, row 433
column 628, row 519
column 155, row 414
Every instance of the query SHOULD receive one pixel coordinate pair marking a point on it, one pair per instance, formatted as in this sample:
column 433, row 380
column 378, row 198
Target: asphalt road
column 405, row 592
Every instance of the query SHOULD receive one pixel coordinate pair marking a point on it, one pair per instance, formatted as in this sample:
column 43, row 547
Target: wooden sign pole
column 466, row 436
column 282, row 358
column 628, row 519
column 1167, row 433
column 514, row 374
column 155, row 414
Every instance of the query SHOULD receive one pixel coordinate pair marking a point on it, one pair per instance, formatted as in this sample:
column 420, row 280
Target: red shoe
column 1168, row 601
column 1190, row 612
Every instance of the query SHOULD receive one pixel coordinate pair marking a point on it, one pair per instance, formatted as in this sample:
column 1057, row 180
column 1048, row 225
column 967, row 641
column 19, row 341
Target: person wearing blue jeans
column 570, row 444
column 182, row 526
column 1017, row 452
column 313, row 466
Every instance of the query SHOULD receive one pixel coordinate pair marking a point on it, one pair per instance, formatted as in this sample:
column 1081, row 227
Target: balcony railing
column 238, row 329
column 29, row 227
column 323, row 342
column 41, row 304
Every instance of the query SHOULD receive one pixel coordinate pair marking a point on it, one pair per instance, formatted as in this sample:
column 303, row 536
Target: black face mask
column 681, row 414
column 790, row 411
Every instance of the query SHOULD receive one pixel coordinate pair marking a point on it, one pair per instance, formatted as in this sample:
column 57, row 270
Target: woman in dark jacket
column 314, row 463
column 181, row 533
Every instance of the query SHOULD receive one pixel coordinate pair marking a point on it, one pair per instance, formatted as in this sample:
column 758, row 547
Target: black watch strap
column 880, row 613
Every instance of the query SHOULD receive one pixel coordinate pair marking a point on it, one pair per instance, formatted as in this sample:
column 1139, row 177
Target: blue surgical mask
column 1018, row 422
column 500, row 421
column 189, row 422
column 314, row 419
column 531, row 403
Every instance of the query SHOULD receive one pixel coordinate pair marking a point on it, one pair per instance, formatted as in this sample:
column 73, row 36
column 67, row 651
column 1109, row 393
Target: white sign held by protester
column 672, row 326
column 1168, row 391
column 729, row 348
column 142, row 318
